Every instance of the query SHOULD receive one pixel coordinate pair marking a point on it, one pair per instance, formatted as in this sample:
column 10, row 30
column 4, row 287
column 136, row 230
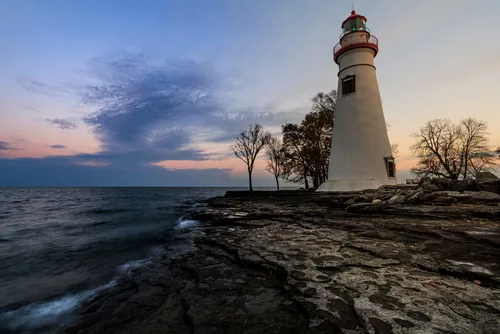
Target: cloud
column 64, row 124
column 149, row 112
column 30, row 108
column 57, row 146
column 35, row 86
column 5, row 146
column 144, row 112
column 152, row 111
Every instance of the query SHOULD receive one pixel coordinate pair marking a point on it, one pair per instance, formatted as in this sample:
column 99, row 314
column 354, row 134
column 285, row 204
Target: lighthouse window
column 349, row 85
column 391, row 167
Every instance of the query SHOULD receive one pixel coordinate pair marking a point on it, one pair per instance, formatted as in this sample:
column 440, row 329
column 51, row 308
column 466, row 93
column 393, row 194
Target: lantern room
column 354, row 22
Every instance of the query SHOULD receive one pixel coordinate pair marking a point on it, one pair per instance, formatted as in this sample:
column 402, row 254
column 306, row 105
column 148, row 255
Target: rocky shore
column 400, row 260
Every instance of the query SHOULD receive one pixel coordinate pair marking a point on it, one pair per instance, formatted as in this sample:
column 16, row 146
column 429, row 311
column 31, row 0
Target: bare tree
column 481, row 162
column 452, row 151
column 395, row 149
column 275, row 159
column 475, row 152
column 248, row 145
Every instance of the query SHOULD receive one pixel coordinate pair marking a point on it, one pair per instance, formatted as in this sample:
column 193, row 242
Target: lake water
column 59, row 246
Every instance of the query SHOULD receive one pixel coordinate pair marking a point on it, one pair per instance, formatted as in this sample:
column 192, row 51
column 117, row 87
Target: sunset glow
column 166, row 86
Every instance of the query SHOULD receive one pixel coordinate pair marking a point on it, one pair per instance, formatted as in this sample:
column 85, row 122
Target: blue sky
column 151, row 92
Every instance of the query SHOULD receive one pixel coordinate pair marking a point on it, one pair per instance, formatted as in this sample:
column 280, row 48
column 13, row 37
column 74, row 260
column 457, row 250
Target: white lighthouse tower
column 361, row 156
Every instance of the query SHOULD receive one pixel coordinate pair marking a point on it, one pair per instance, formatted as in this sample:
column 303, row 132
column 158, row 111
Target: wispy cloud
column 149, row 112
column 5, row 146
column 57, row 146
column 39, row 87
column 30, row 108
column 64, row 124
column 154, row 111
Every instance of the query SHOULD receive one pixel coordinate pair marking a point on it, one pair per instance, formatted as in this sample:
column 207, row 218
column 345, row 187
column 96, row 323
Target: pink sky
column 436, row 60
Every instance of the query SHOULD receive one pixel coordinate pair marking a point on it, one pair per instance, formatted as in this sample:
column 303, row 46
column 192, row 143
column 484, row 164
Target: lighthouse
column 361, row 156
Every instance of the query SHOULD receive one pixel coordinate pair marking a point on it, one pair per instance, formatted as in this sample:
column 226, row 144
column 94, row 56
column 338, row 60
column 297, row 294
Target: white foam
column 55, row 311
column 155, row 254
column 186, row 223
column 133, row 265
column 47, row 313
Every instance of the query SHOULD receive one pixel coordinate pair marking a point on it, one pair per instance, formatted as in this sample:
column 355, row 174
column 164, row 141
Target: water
column 59, row 246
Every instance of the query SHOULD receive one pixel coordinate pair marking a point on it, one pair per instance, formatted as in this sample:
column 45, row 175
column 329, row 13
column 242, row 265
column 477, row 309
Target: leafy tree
column 307, row 145
column 295, row 167
column 453, row 151
column 248, row 145
column 275, row 159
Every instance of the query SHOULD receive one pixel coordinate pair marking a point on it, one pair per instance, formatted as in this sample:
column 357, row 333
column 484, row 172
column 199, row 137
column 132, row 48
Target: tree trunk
column 315, row 182
column 277, row 183
column 466, row 167
column 306, row 183
column 250, row 180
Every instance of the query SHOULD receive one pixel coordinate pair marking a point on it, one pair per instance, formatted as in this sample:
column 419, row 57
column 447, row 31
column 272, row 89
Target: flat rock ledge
column 314, row 263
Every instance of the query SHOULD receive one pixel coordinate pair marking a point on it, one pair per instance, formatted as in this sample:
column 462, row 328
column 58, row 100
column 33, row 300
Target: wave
column 50, row 313
column 156, row 253
column 183, row 223
column 57, row 312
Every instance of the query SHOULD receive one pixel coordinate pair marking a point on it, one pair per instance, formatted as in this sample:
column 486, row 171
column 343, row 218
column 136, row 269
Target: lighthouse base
column 348, row 185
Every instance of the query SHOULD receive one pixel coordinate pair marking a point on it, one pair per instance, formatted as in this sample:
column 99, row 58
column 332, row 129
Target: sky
column 152, row 93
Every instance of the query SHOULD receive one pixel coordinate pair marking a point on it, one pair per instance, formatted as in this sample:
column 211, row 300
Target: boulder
column 430, row 187
column 464, row 185
column 411, row 192
column 428, row 184
column 441, row 200
column 424, row 180
column 358, row 199
column 490, row 185
column 486, row 176
column 361, row 198
column 396, row 199
column 476, row 197
column 442, row 182
column 485, row 197
column 366, row 207
column 415, row 197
